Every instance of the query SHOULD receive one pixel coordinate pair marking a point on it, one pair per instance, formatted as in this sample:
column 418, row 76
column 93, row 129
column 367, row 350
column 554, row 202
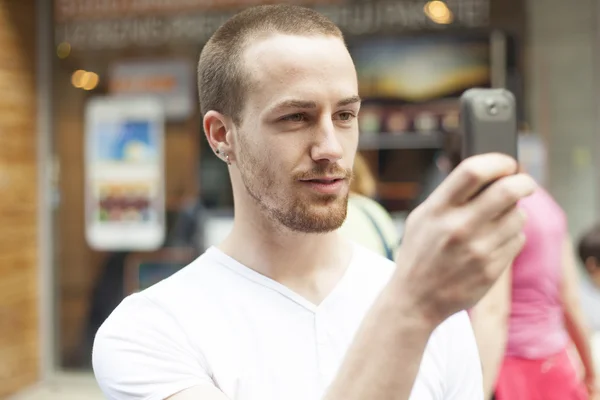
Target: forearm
column 384, row 359
column 577, row 329
column 491, row 335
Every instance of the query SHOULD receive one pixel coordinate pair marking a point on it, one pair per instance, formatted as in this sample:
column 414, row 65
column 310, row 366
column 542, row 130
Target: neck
column 308, row 263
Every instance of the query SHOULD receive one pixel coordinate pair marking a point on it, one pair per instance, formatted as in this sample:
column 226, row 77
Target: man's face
column 298, row 136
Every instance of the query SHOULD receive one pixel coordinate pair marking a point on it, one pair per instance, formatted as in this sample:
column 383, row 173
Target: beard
column 316, row 214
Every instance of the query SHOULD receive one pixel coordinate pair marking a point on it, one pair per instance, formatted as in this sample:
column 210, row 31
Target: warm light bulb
column 77, row 77
column 91, row 81
column 438, row 12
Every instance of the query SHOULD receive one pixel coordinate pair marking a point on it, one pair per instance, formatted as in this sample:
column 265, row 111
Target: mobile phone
column 488, row 121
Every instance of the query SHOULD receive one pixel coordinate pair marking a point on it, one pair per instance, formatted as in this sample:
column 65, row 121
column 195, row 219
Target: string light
column 85, row 80
column 438, row 12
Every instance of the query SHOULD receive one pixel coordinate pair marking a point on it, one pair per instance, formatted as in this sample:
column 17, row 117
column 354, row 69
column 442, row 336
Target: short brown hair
column 589, row 244
column 222, row 82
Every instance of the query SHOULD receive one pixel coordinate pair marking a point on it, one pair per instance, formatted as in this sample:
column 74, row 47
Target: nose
column 327, row 146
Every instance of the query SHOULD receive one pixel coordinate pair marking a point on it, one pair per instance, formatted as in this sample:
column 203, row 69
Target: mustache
column 321, row 171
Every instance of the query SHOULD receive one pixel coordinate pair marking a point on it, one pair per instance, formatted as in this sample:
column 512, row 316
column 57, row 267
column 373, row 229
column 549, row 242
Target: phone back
column 488, row 122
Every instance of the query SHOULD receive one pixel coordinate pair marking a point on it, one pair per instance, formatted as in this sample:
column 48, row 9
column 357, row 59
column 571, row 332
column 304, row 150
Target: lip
column 325, row 185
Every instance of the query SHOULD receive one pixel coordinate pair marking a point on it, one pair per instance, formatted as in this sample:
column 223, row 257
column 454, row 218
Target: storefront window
column 414, row 59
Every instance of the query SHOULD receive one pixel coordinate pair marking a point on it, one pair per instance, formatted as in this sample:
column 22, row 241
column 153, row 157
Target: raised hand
column 460, row 240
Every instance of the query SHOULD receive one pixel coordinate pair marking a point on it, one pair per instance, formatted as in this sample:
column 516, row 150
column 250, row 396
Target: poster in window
column 124, row 162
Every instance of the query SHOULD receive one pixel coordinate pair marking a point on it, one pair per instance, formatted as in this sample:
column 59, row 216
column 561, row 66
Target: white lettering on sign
column 366, row 17
column 79, row 10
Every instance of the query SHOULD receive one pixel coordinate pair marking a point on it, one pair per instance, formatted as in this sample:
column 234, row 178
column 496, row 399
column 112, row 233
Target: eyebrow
column 349, row 100
column 292, row 103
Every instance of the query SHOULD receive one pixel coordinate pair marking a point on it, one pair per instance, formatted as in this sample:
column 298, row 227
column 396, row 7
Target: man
column 285, row 308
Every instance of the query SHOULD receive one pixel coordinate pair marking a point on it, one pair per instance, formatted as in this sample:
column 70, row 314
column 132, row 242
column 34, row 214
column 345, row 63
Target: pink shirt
column 536, row 325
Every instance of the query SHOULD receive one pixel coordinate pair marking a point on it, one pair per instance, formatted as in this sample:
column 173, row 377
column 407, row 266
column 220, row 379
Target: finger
column 507, row 253
column 472, row 175
column 503, row 229
column 501, row 196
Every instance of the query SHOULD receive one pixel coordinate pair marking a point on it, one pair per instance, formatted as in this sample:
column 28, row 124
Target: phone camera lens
column 492, row 107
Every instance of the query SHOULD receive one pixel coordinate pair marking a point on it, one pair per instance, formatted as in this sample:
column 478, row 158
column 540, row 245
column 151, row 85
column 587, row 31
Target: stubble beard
column 319, row 215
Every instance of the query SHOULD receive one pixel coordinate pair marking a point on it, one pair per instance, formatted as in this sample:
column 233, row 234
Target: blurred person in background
column 589, row 254
column 527, row 322
column 367, row 222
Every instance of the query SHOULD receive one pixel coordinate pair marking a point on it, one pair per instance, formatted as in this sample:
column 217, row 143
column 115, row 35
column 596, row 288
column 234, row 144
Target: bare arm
column 373, row 368
column 490, row 324
column 574, row 318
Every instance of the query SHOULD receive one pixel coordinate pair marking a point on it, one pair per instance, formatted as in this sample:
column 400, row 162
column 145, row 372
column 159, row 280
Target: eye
column 298, row 117
column 345, row 116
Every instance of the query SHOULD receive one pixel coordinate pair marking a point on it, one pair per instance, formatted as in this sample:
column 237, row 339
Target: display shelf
column 408, row 140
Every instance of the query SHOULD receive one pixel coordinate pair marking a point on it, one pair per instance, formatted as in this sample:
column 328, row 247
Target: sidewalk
column 64, row 387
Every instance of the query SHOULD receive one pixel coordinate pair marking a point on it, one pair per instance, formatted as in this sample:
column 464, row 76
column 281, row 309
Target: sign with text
column 354, row 18
column 171, row 81
column 85, row 10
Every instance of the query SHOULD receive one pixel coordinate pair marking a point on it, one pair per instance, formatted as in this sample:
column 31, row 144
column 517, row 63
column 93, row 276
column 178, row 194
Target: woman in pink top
column 526, row 323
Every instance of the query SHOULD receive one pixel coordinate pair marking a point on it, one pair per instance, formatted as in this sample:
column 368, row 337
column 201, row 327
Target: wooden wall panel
column 19, row 332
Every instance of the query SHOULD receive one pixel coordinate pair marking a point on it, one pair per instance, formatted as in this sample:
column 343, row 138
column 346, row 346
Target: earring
column 217, row 151
column 227, row 160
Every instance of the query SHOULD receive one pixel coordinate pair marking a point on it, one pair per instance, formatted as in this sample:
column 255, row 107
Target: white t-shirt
column 217, row 322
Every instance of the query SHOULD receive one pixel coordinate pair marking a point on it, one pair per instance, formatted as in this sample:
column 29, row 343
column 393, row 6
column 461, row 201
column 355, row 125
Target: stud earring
column 227, row 160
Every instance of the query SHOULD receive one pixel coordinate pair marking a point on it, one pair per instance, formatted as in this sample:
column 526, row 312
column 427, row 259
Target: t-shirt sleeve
column 140, row 352
column 464, row 380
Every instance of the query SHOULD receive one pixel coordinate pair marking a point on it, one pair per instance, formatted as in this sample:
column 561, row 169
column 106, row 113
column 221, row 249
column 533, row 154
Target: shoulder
column 198, row 283
column 369, row 224
column 141, row 352
column 149, row 347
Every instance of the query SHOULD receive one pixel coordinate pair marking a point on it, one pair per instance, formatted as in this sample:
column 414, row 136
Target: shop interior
column 410, row 84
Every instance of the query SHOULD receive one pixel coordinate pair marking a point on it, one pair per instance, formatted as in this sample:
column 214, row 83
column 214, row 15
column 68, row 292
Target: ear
column 219, row 133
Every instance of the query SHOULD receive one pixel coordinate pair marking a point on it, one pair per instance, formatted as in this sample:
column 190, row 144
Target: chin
column 315, row 218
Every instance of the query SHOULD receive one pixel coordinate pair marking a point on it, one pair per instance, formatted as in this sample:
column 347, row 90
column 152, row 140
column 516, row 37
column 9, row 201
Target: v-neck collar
column 263, row 280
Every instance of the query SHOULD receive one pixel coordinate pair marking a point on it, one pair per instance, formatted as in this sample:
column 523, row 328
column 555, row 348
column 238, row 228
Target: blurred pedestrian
column 367, row 222
column 589, row 254
column 525, row 324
